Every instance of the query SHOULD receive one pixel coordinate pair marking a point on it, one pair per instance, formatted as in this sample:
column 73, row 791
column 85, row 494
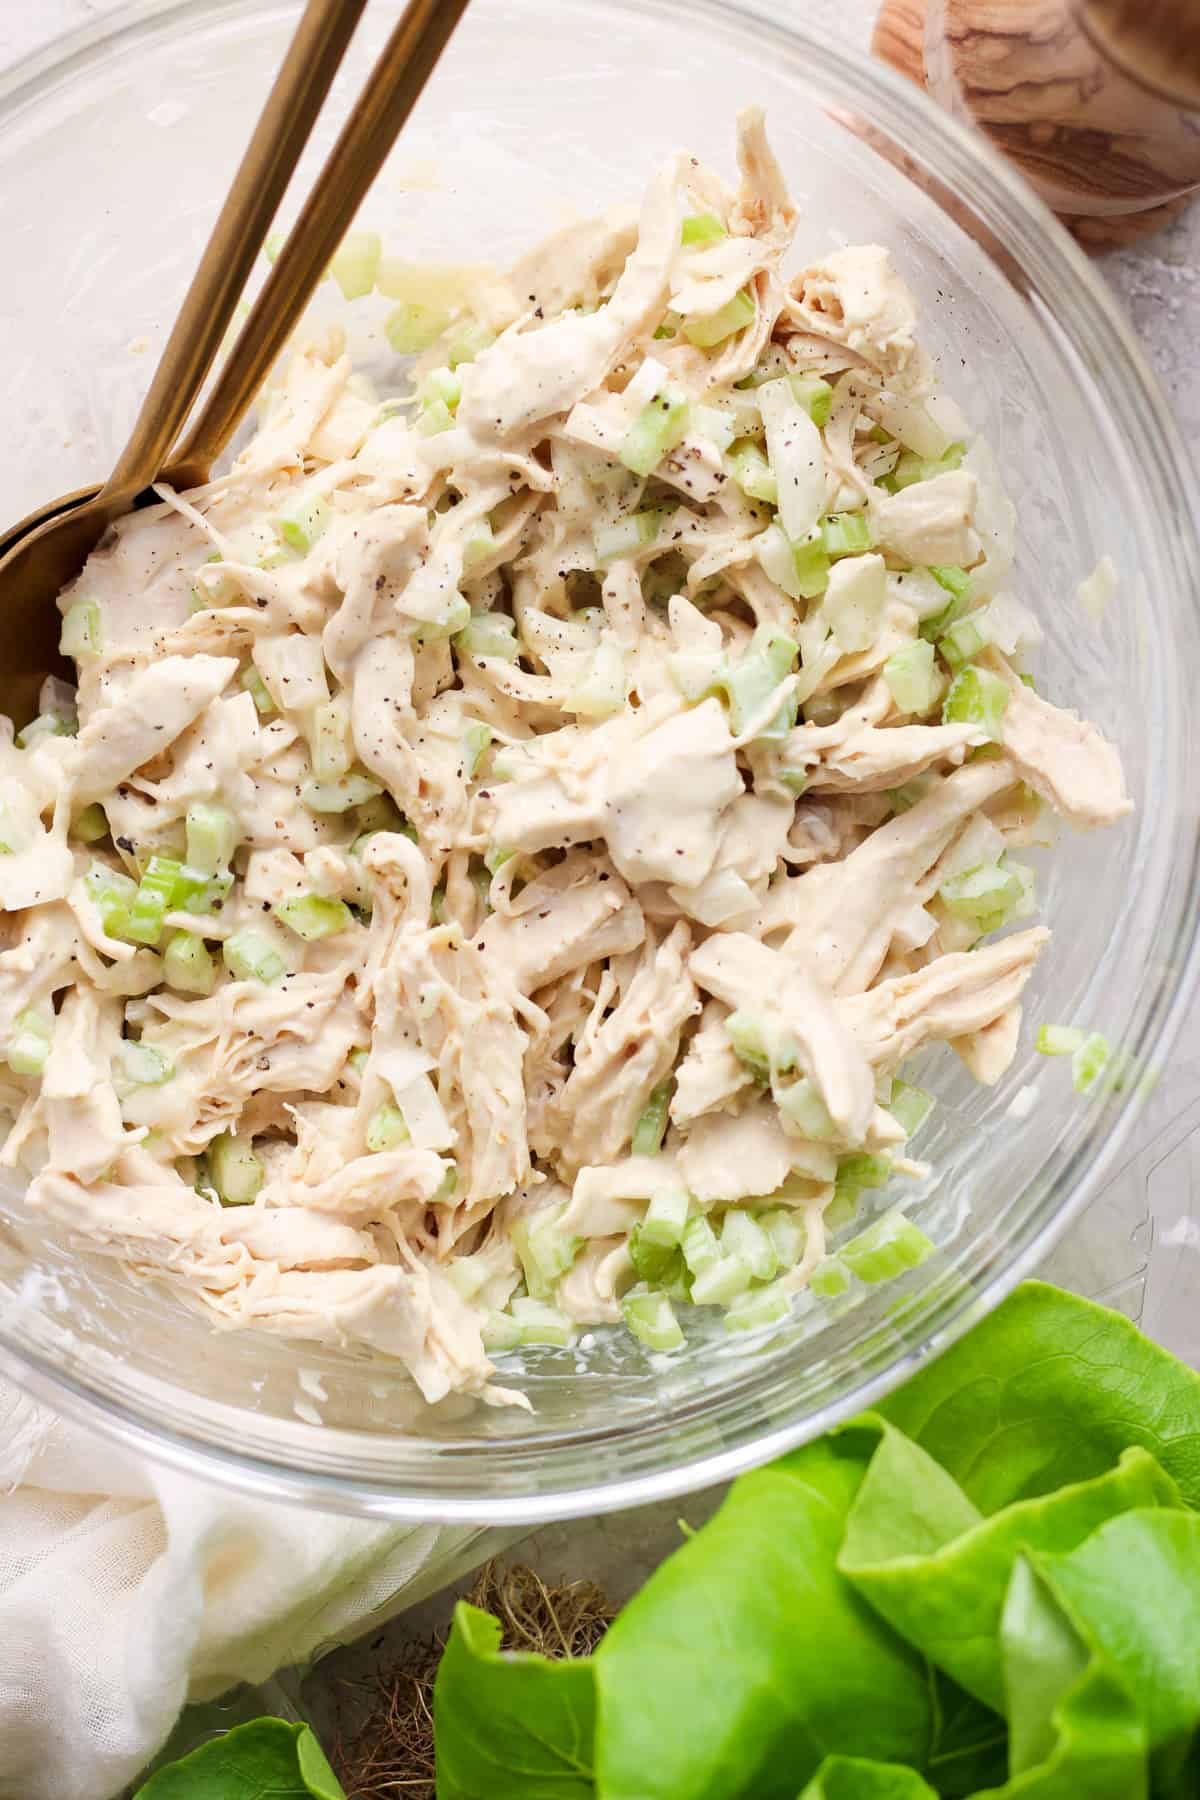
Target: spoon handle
column 282, row 131
column 392, row 90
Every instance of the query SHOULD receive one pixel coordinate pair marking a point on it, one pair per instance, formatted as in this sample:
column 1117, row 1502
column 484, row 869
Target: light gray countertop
column 1159, row 284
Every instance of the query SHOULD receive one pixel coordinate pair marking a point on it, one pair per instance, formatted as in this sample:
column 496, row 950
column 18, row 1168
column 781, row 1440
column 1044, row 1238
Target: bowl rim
column 1038, row 242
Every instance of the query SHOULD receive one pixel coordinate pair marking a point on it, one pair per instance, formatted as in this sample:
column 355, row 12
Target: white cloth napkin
column 127, row 1590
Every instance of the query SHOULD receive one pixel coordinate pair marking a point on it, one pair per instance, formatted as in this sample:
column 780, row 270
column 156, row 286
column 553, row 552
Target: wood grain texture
column 1113, row 158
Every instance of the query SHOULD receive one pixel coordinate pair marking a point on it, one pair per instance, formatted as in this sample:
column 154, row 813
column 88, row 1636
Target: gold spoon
column 45, row 551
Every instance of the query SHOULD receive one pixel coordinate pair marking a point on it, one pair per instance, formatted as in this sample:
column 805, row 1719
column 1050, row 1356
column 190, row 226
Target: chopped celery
column 340, row 795
column 386, row 1129
column 749, row 683
column 330, row 745
column 434, row 417
column 495, row 858
column 489, row 634
column 658, row 428
column 912, row 468
column 1089, row 1061
column 112, row 895
column 735, row 315
column 666, row 1217
column 313, row 916
column 254, row 685
column 744, row 1237
column 889, row 1247
column 454, row 617
column 802, row 1106
column 814, row 395
column 977, row 697
column 471, row 337
column 752, row 471
column 1059, row 1040
column 748, row 1036
column 154, row 898
column 909, row 1106
column 985, row 897
column 477, row 740
column 651, row 1127
column 91, row 825
column 480, row 548
column 810, row 560
column 301, row 523
column 764, row 1306
column 82, row 630
column 831, row 1279
column 778, row 562
column 651, row 1261
column 237, row 1174
column 601, row 692
column 715, row 424
column 728, row 1277
column 864, row 1171
column 651, row 1319
column 500, row 1332
column 954, row 579
column 441, row 384
column 188, row 965
column 355, row 263
column 541, row 1324
column 249, row 956
column 912, row 677
column 545, row 1251
column 701, row 1251
column 787, row 1233
column 212, row 837
column 29, row 1045
column 628, row 535
column 47, row 725
column 696, row 672
column 846, row 534
column 412, row 327
column 701, row 228
column 143, row 1065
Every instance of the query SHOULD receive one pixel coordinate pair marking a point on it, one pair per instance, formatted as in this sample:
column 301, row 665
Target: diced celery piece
column 752, row 472
column 330, row 746
column 666, row 1217
column 480, row 548
column 29, row 1045
column 701, row 1251
column 82, row 630
column 143, row 1065
column 434, row 417
column 188, row 965
column 490, row 634
column 909, row 1106
column 651, row 1261
column 201, row 894
column 750, row 682
column 601, row 692
column 846, row 534
column 212, row 837
column 747, row 1033
column 470, row 338
column 254, row 685
column 864, row 1171
column 313, row 916
column 541, row 1324
column 651, row 1127
column 985, row 897
column 412, row 327
column 1089, row 1061
column 237, row 1174
column 155, row 896
column 628, row 535
column 977, row 697
column 47, row 724
column 787, row 1233
column 804, row 1108
column 496, row 857
column 500, row 1332
column 735, row 315
column 651, row 1319
column 954, row 579
column 301, row 523
column 830, row 1279
column 715, row 424
column 964, row 639
column 814, row 395
column 913, row 468
column 91, row 825
column 764, row 1306
column 112, row 895
column 477, row 740
column 728, row 1277
column 340, row 795
column 386, row 1129
column 810, row 560
column 889, row 1247
column 696, row 672
column 1059, row 1040
column 355, row 263
column 658, row 428
column 912, row 677
column 744, row 1237
column 701, row 228
column 444, row 385
column 249, row 956
column 546, row 1252
column 774, row 553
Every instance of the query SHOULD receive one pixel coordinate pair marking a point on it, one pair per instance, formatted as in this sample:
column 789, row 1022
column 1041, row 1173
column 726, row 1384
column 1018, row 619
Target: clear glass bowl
column 115, row 149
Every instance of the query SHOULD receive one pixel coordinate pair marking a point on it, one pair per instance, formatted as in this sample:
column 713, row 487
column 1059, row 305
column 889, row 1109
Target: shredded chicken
column 548, row 802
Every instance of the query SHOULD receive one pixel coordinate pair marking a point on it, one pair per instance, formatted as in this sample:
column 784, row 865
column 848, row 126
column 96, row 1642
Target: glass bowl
column 116, row 146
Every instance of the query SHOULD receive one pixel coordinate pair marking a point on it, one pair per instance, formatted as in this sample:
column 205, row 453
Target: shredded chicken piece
column 462, row 839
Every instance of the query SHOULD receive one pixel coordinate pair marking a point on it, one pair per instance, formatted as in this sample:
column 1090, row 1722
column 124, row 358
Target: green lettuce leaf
column 1048, row 1390
column 970, row 1742
column 747, row 1658
column 268, row 1759
column 949, row 1600
column 510, row 1725
column 854, row 1778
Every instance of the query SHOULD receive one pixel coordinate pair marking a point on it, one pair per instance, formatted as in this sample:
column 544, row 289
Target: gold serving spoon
column 41, row 554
